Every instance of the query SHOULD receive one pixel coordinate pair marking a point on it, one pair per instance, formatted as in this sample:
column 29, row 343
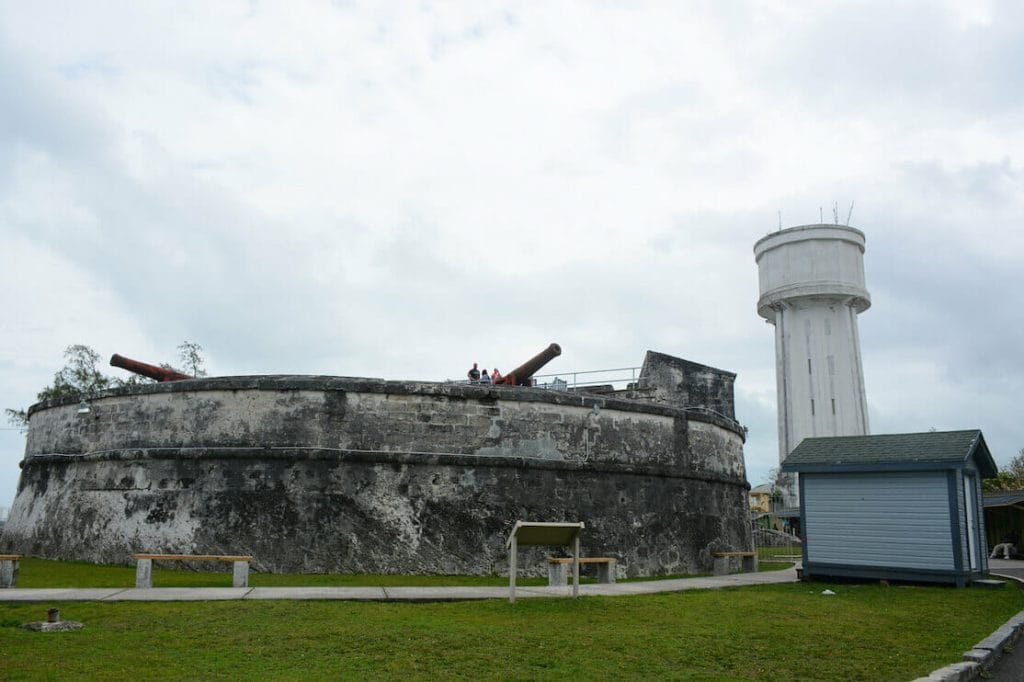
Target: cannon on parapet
column 146, row 370
column 523, row 374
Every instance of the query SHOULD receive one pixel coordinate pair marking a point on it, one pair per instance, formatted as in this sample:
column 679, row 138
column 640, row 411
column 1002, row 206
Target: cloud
column 936, row 60
column 400, row 190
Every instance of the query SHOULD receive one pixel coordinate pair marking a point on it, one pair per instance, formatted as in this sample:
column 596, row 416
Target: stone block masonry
column 363, row 475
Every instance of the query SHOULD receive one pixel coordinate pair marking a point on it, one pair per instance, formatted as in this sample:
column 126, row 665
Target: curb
column 985, row 653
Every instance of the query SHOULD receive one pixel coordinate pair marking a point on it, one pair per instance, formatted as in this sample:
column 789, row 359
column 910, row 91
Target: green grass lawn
column 776, row 632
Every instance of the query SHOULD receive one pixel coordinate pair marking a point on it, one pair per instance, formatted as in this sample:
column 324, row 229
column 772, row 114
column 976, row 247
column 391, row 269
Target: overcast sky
column 399, row 189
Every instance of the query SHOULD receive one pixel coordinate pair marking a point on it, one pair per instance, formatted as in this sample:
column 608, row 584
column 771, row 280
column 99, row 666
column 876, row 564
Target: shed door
column 898, row 519
column 970, row 504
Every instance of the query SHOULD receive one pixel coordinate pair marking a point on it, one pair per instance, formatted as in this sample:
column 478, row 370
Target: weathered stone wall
column 360, row 475
column 688, row 385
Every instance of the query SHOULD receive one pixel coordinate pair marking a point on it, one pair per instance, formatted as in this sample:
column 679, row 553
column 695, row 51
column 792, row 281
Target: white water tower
column 812, row 289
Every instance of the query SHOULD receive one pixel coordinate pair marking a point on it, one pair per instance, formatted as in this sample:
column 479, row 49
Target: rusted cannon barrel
column 523, row 374
column 151, row 371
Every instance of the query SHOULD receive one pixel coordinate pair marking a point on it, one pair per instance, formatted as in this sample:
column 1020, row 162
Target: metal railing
column 618, row 378
column 777, row 545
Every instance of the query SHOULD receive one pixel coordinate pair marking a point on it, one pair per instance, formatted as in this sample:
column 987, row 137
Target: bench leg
column 576, row 566
column 144, row 573
column 512, row 568
column 241, row 574
column 606, row 572
column 750, row 564
column 721, row 565
column 558, row 575
column 8, row 573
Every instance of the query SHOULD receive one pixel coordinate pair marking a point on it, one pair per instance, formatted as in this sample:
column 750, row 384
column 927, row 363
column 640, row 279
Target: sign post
column 541, row 533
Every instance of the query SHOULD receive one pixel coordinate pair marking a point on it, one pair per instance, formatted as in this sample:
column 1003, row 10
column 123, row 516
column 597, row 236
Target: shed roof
column 1003, row 498
column 892, row 452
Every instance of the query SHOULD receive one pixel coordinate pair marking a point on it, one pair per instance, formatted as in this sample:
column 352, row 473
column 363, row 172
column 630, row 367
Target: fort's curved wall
column 363, row 475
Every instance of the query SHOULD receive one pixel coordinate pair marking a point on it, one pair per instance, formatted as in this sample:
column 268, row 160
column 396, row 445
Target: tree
column 80, row 377
column 777, row 479
column 1010, row 477
column 190, row 354
column 17, row 418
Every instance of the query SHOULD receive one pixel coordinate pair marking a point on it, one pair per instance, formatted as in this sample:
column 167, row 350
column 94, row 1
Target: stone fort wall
column 362, row 475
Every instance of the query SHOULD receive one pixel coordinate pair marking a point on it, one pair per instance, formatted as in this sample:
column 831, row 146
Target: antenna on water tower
column 849, row 214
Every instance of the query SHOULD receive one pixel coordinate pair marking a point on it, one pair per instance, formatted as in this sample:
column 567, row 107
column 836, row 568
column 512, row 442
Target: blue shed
column 899, row 506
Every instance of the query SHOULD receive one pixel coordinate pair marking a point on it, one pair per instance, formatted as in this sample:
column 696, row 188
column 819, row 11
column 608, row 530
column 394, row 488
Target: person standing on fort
column 473, row 374
column 484, row 379
column 495, row 375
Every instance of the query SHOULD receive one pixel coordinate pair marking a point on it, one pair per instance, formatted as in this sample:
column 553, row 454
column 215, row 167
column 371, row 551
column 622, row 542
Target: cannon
column 523, row 374
column 146, row 370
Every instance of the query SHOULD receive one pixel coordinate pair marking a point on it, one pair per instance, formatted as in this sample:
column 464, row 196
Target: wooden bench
column 144, row 566
column 9, row 569
column 558, row 569
column 722, row 561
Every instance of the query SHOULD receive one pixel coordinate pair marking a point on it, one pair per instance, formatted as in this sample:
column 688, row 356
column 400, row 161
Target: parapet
column 687, row 385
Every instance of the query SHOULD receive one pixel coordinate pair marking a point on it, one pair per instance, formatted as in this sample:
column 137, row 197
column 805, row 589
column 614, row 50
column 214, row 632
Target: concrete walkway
column 1013, row 568
column 407, row 594
column 1009, row 667
column 998, row 657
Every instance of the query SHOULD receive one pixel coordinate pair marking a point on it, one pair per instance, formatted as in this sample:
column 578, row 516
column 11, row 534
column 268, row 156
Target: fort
column 358, row 475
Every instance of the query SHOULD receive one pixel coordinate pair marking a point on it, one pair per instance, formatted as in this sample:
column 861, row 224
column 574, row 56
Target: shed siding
column 898, row 519
column 982, row 528
column 961, row 527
